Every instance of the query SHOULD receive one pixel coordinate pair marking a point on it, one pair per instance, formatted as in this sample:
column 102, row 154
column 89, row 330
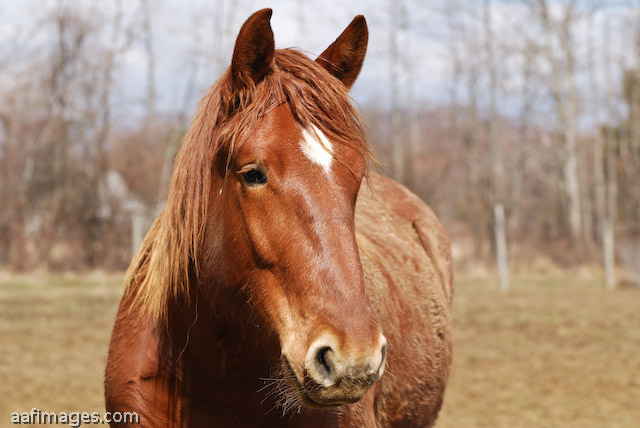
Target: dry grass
column 551, row 353
column 554, row 352
column 54, row 334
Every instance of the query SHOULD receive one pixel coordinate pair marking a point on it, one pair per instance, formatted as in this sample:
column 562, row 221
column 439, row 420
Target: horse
column 284, row 283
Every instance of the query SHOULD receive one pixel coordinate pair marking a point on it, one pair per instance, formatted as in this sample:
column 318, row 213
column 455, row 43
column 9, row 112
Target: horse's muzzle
column 332, row 377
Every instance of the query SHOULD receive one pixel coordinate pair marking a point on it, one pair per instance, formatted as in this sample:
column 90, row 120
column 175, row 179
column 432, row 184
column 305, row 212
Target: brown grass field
column 554, row 352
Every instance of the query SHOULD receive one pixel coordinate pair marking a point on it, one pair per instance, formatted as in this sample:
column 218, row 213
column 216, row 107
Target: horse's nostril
column 383, row 359
column 322, row 359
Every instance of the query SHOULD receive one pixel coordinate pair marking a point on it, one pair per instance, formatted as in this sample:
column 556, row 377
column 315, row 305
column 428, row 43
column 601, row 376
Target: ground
column 553, row 352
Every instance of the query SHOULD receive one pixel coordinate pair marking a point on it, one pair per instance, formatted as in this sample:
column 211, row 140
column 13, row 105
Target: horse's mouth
column 302, row 392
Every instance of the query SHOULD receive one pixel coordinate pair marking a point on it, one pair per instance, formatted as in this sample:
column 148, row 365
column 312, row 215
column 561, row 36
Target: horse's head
column 283, row 214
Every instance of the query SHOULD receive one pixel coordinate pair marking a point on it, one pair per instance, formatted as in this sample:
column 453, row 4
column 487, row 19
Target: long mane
column 161, row 269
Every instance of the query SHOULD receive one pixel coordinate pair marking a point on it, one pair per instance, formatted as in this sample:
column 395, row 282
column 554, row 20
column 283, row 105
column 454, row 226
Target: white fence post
column 501, row 248
column 609, row 258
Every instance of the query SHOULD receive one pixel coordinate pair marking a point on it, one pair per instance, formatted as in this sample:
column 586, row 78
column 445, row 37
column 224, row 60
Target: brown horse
column 274, row 289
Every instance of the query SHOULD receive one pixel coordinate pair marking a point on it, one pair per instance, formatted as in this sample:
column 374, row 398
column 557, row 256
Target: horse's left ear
column 253, row 53
column 344, row 58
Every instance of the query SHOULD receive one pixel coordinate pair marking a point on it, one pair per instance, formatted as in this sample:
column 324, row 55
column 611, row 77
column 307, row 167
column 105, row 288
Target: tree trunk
column 397, row 137
column 563, row 88
column 610, row 219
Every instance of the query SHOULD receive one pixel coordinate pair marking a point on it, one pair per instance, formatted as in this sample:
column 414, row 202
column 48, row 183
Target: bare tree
column 147, row 41
column 611, row 186
column 495, row 148
column 598, row 153
column 559, row 51
column 465, row 114
column 398, row 26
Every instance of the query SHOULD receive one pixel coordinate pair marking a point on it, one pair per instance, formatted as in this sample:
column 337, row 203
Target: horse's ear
column 344, row 58
column 253, row 53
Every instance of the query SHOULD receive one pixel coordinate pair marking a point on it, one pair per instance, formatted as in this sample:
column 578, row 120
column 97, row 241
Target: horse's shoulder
column 383, row 202
column 133, row 362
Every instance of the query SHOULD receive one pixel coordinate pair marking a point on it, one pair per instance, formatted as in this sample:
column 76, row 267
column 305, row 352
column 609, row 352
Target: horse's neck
column 216, row 341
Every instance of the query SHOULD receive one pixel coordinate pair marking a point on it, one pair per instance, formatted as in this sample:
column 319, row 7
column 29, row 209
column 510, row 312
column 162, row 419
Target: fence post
column 501, row 248
column 609, row 258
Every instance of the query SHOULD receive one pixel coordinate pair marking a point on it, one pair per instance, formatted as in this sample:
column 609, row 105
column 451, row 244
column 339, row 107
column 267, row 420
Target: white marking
column 317, row 149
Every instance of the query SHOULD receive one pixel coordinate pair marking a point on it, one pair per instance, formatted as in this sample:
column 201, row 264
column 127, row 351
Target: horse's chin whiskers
column 386, row 370
column 286, row 396
column 268, row 383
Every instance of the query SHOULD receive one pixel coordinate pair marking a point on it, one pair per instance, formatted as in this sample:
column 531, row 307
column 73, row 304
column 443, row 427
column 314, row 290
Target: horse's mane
column 226, row 115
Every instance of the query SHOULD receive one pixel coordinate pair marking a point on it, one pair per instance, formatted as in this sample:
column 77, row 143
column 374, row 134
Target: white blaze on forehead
column 316, row 147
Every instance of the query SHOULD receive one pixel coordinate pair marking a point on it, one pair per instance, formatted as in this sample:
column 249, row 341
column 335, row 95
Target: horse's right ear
column 253, row 53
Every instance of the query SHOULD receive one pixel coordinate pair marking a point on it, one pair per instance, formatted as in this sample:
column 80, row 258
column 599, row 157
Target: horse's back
column 406, row 258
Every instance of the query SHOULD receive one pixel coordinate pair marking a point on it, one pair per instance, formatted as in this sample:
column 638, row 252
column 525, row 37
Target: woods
column 535, row 110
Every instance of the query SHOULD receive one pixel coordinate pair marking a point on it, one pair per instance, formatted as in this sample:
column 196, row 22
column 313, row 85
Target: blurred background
column 517, row 121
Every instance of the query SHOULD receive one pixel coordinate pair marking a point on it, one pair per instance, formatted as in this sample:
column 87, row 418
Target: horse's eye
column 254, row 177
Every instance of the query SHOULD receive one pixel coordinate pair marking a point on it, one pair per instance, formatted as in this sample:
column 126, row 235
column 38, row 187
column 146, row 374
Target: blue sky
column 311, row 26
column 209, row 28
